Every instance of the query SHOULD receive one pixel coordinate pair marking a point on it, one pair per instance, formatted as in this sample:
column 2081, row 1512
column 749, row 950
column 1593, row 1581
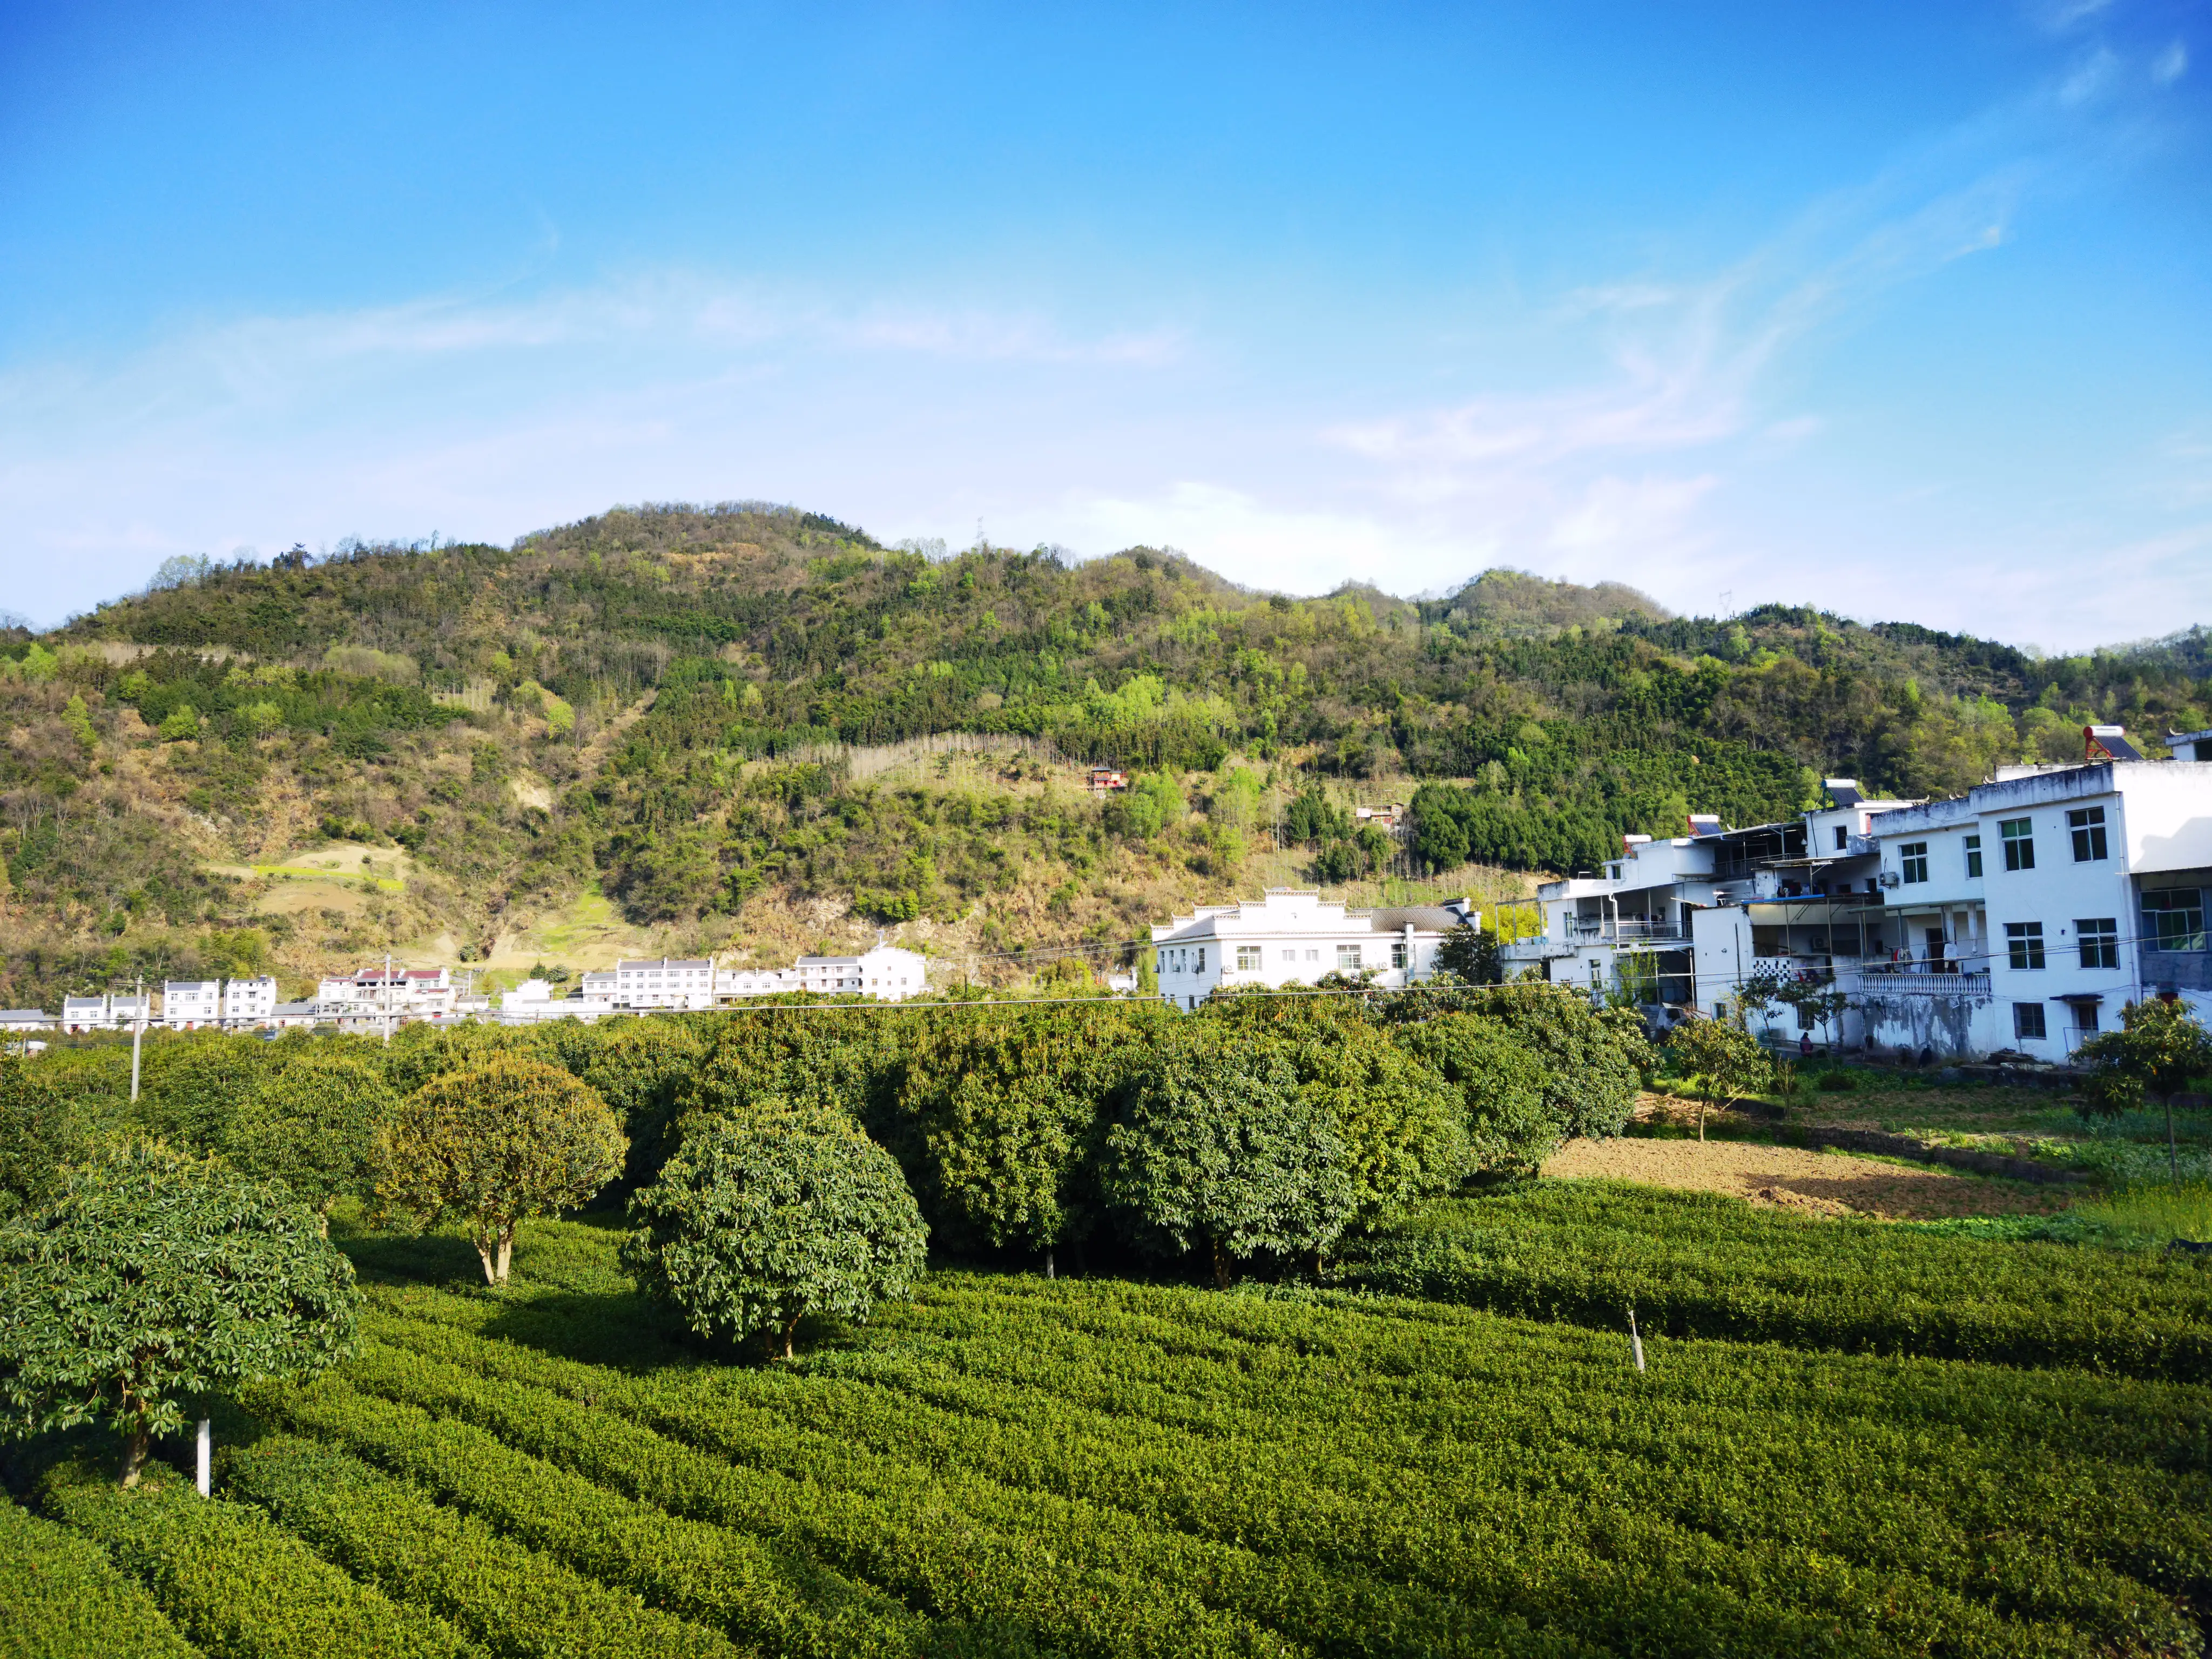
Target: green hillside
column 731, row 729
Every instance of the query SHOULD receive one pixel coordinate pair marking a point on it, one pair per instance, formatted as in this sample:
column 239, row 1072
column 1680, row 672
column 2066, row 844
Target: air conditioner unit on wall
column 1887, row 877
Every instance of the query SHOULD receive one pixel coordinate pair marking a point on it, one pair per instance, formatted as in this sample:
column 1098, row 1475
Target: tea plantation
column 1013, row 1465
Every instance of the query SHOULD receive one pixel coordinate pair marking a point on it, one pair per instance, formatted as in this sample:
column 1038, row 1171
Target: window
column 1398, row 954
column 2100, row 941
column 1843, row 837
column 1347, row 958
column 2027, row 1022
column 1289, row 956
column 1201, row 958
column 1248, row 958
column 2086, row 826
column 2019, row 835
column 1912, row 859
column 1974, row 858
column 1313, row 956
column 2173, row 920
column 2024, row 945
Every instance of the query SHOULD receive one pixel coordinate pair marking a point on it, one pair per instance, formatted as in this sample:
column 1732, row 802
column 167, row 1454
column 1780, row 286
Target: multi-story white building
column 106, row 1013
column 887, row 973
column 294, row 1017
column 189, row 1004
column 371, row 999
column 670, row 982
column 249, row 1001
column 534, row 1001
column 2022, row 915
column 1292, row 936
column 2025, row 915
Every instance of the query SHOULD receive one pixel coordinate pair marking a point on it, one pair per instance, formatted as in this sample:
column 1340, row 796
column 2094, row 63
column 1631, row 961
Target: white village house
column 1292, row 937
column 106, row 1013
column 189, row 1004
column 248, row 1002
column 2020, row 916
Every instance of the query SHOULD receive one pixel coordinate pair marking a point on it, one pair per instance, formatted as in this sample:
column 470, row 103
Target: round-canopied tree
column 154, row 1281
column 1512, row 1124
column 313, row 1126
column 758, row 1222
column 1403, row 1126
column 493, row 1145
column 1216, row 1149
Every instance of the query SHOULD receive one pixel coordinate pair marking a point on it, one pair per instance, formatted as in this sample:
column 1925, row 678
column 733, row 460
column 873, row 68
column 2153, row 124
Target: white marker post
column 1635, row 1341
column 205, row 1468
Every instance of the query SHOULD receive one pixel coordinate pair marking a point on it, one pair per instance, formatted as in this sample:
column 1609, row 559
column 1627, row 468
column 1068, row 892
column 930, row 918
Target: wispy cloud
column 2171, row 64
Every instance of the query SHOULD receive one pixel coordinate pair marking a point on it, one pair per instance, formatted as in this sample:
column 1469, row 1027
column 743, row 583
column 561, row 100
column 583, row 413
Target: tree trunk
column 486, row 1254
column 1220, row 1265
column 134, row 1455
column 506, row 1251
column 1047, row 1264
column 1701, row 1120
column 790, row 1331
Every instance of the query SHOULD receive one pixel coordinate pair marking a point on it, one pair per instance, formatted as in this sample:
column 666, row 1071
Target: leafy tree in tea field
column 637, row 1069
column 154, row 1281
column 1403, row 1126
column 756, row 1224
column 39, row 1134
column 1594, row 1060
column 313, row 1126
column 1513, row 1124
column 495, row 1144
column 1004, row 1107
column 1722, row 1061
column 1216, row 1149
column 194, row 1085
column 2160, row 1047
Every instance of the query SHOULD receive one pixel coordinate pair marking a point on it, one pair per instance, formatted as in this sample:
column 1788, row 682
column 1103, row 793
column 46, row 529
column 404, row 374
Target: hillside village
column 1861, row 924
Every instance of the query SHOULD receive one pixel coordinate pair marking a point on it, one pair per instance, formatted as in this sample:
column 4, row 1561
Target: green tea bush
column 1700, row 1265
column 513, row 1599
column 236, row 1582
column 64, row 1598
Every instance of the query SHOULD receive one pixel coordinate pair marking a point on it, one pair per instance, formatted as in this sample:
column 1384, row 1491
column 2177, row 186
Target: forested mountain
column 686, row 711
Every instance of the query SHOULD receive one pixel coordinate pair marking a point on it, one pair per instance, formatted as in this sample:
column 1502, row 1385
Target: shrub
column 239, row 1585
column 1216, row 1149
column 637, row 1069
column 154, row 1280
column 1838, row 1083
column 1722, row 1060
column 492, row 1145
column 64, row 1598
column 754, row 1225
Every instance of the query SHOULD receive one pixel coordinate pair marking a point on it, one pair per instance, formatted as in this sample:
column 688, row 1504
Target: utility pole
column 387, row 998
column 137, row 1037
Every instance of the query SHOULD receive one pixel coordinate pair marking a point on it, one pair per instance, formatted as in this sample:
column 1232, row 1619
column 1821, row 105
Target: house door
column 1935, row 937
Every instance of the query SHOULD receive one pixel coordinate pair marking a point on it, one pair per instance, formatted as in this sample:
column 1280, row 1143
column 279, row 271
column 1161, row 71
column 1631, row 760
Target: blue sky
column 1902, row 310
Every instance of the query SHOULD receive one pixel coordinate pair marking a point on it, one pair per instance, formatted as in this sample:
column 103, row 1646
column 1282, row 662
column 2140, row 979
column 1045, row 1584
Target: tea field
column 1848, row 1440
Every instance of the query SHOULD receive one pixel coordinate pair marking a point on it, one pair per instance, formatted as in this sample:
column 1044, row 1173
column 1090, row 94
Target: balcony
column 1948, row 977
column 1629, row 930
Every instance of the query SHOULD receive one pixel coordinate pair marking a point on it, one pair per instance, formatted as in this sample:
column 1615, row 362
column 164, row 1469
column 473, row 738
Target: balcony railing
column 1628, row 930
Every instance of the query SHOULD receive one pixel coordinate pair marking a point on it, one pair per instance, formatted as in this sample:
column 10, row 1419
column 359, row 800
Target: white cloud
column 2169, row 65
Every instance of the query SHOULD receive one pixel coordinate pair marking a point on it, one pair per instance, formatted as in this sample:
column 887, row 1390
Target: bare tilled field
column 1809, row 1183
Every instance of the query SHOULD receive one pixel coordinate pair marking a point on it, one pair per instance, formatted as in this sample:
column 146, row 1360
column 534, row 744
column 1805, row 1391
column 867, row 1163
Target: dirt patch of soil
column 1808, row 1182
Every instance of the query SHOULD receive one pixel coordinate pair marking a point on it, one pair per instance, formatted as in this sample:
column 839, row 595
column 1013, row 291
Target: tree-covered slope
column 654, row 701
